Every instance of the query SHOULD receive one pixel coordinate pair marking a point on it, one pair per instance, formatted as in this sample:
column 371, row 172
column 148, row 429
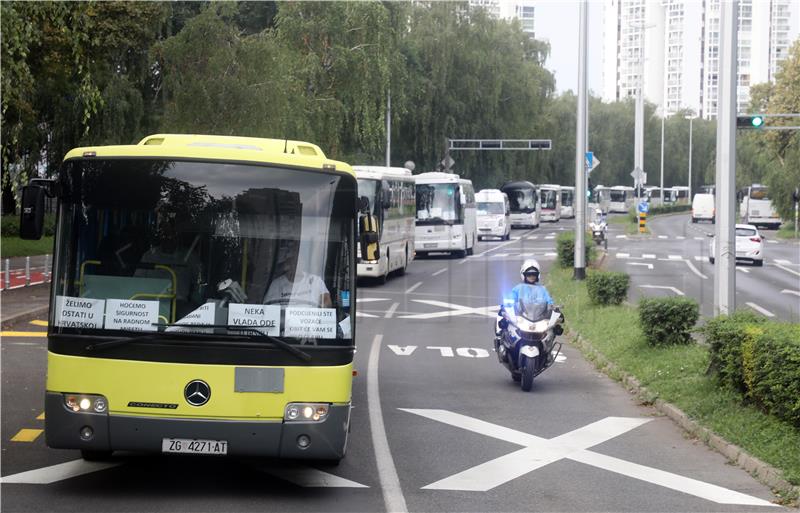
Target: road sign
column 644, row 207
column 639, row 177
column 591, row 161
column 447, row 163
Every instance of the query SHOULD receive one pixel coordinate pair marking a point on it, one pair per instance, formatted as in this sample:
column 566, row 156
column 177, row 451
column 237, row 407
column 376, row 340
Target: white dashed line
column 787, row 291
column 413, row 287
column 648, row 255
column 762, row 311
column 623, row 255
column 673, row 289
column 440, row 271
column 663, row 237
column 674, row 257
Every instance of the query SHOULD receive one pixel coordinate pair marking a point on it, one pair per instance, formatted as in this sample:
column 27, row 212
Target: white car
column 749, row 245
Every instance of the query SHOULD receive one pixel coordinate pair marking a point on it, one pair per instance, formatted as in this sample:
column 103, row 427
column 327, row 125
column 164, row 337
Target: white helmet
column 529, row 266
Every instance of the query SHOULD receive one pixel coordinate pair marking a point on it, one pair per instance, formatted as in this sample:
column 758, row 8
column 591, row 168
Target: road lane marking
column 787, row 269
column 649, row 266
column 649, row 256
column 698, row 238
column 787, row 291
column 494, row 248
column 622, row 236
column 387, row 472
column 440, row 271
column 499, row 255
column 663, row 237
column 515, row 238
column 391, row 311
column 674, row 257
column 549, row 237
column 695, row 270
column 538, row 452
column 23, row 333
column 772, row 242
column 532, row 237
column 550, row 254
column 453, row 310
column 680, row 237
column 364, row 314
column 40, row 417
column 783, row 262
column 58, row 472
column 413, row 287
column 742, row 269
column 623, row 255
column 673, row 289
column 761, row 310
column 700, row 258
column 27, row 435
column 307, row 477
column 39, row 323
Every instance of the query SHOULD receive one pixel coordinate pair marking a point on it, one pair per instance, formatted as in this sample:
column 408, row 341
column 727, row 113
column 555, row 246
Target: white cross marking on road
column 538, row 452
column 454, row 310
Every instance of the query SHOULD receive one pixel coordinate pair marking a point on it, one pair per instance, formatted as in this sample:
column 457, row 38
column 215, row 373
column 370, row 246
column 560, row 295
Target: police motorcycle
column 525, row 338
column 599, row 228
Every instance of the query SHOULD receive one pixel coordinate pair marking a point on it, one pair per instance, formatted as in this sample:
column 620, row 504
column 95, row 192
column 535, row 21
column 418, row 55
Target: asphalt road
column 674, row 261
column 438, row 425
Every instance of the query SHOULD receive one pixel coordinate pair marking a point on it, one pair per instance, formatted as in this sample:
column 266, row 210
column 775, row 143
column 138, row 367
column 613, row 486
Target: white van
column 493, row 214
column 703, row 208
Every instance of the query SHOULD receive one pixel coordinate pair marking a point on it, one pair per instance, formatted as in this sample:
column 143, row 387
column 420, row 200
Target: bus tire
column 88, row 455
column 402, row 271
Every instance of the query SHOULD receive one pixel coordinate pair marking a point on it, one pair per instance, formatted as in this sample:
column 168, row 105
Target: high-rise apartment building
column 523, row 10
column 680, row 40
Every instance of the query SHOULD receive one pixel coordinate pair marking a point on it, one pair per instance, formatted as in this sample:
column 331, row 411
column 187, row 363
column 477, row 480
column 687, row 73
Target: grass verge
column 14, row 247
column 786, row 231
column 677, row 375
column 631, row 226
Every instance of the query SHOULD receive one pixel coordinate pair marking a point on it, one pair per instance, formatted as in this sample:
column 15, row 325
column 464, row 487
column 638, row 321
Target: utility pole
column 661, row 193
column 691, row 119
column 580, row 150
column 388, row 128
column 724, row 241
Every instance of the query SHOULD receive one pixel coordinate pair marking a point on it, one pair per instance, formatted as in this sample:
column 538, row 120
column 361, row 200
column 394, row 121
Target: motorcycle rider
column 530, row 290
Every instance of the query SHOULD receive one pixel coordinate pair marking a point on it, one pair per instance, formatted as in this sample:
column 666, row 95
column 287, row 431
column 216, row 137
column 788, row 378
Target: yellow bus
column 203, row 298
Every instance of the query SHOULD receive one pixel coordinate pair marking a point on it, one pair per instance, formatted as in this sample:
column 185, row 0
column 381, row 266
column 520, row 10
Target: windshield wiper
column 152, row 336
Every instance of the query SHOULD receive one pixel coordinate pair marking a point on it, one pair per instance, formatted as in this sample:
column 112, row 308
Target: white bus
column 652, row 195
column 525, row 206
column 550, row 196
column 567, row 198
column 390, row 191
column 445, row 214
column 620, row 199
column 756, row 208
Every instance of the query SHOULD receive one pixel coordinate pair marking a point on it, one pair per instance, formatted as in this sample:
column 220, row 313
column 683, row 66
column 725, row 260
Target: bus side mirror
column 31, row 222
column 386, row 200
column 739, row 196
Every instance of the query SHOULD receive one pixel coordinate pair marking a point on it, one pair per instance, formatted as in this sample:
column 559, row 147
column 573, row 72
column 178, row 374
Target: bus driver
column 291, row 287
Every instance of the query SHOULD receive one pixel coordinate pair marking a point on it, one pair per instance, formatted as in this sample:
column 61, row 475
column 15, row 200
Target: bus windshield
column 437, row 203
column 370, row 188
column 522, row 200
column 566, row 198
column 759, row 193
column 490, row 208
column 162, row 245
column 618, row 196
column 549, row 198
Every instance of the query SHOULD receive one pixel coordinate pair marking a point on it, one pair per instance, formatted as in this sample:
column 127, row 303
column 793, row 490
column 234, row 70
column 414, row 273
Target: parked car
column 749, row 245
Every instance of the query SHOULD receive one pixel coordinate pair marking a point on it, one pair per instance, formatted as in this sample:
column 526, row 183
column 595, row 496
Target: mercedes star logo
column 197, row 392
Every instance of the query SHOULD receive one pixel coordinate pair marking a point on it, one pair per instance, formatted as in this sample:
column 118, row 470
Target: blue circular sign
column 644, row 207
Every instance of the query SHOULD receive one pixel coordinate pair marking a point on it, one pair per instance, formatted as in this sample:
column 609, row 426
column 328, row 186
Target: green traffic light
column 757, row 121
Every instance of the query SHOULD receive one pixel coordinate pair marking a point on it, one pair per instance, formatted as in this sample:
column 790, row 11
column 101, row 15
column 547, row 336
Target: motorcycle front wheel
column 528, row 365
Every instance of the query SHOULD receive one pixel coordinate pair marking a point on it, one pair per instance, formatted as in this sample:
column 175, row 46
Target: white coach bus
column 390, row 191
column 550, row 198
column 445, row 214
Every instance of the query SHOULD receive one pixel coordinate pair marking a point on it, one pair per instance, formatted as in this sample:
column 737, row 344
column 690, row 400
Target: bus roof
column 568, row 188
column 439, row 177
column 490, row 195
column 521, row 184
column 622, row 188
column 378, row 172
column 549, row 186
column 219, row 147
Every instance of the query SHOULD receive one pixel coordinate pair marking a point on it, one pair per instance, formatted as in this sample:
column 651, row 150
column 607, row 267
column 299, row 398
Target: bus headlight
column 306, row 412
column 85, row 403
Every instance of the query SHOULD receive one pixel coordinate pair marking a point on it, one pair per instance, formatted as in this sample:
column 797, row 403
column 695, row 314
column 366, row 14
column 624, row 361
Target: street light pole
column 724, row 241
column 690, row 159
column 580, row 149
column 661, row 190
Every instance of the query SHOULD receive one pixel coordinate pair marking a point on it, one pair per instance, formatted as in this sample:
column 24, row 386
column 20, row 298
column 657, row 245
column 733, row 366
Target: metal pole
column 724, row 245
column 690, row 160
column 8, row 274
column 27, row 271
column 580, row 150
column 46, row 267
column 662, row 159
column 388, row 127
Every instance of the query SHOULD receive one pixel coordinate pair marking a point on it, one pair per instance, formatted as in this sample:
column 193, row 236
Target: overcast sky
column 557, row 22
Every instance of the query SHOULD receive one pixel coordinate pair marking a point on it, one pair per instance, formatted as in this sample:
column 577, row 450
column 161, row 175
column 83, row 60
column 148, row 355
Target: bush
column 725, row 336
column 668, row 320
column 607, row 288
column 565, row 247
column 759, row 359
column 9, row 225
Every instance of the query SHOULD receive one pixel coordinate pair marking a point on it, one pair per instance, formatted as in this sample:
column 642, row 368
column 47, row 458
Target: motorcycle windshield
column 531, row 310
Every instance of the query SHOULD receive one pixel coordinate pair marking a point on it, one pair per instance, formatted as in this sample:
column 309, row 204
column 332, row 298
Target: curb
column 27, row 315
column 760, row 470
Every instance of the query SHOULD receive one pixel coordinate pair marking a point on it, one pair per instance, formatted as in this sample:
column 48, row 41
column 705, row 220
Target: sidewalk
column 24, row 303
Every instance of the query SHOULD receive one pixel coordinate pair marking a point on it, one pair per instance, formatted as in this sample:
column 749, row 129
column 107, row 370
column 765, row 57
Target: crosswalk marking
column 648, row 255
column 58, row 472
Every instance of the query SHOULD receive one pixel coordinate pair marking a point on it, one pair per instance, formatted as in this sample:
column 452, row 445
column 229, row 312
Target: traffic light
column 589, row 188
column 754, row 121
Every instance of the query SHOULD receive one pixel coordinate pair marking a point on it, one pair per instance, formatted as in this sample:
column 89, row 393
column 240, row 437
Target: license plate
column 188, row 446
column 429, row 245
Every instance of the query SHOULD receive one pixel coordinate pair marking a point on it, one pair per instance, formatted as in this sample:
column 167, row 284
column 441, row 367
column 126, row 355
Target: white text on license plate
column 188, row 446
